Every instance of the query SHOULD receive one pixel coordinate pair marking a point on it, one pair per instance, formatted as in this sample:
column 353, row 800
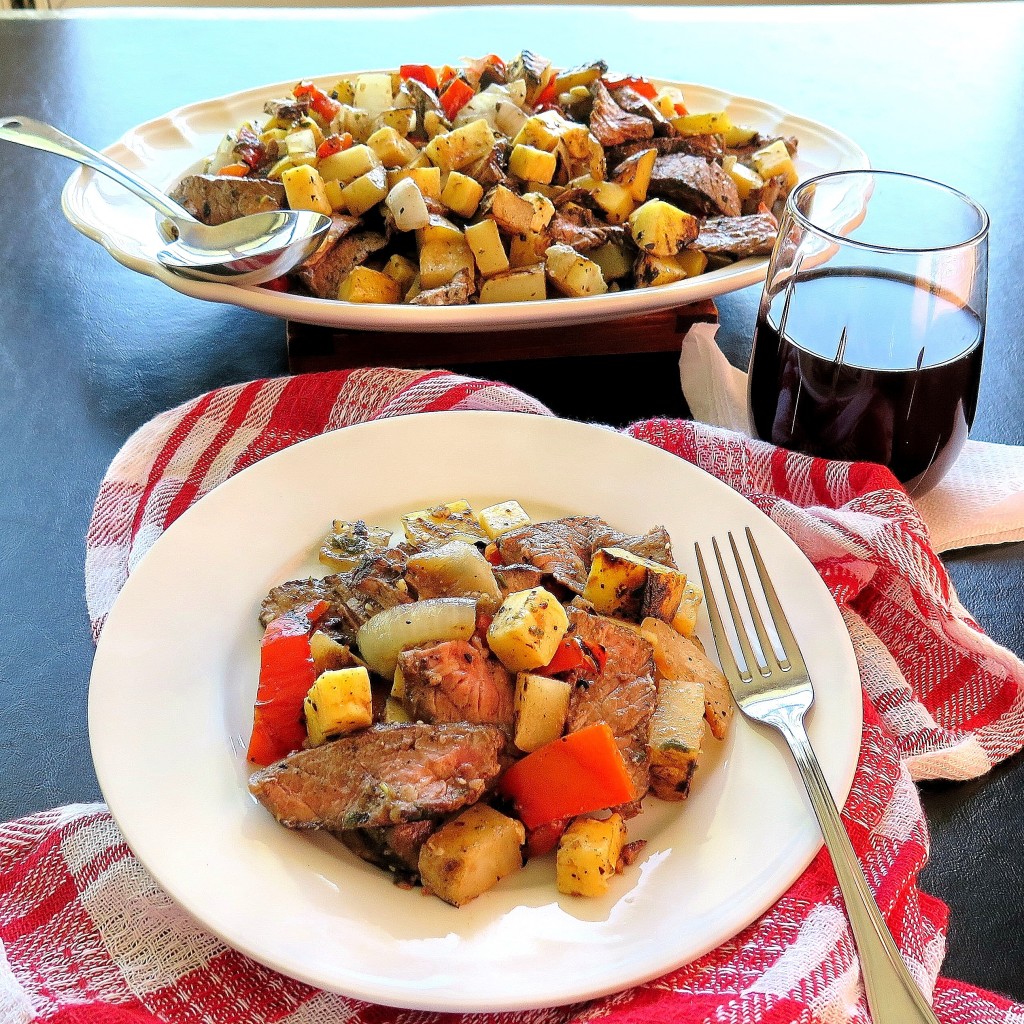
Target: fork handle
column 893, row 995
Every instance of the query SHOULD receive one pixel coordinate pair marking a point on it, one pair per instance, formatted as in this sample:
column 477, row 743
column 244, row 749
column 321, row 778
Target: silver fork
column 778, row 693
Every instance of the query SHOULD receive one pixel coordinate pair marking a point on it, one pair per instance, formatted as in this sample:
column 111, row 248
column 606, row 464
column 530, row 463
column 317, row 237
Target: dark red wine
column 864, row 366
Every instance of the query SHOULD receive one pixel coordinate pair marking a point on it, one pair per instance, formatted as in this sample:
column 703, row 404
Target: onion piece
column 454, row 570
column 382, row 637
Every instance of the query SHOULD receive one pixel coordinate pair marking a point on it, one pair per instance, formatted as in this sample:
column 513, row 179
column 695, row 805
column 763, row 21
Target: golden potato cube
column 471, row 854
column 621, row 583
column 634, row 173
column 304, row 189
column 680, row 658
column 525, row 285
column 662, row 229
column 428, row 179
column 539, row 132
column 532, row 164
column 774, row 160
column 349, row 164
column 391, row 148
column 461, row 193
column 452, row 521
column 333, row 190
column 329, row 654
column 485, row 242
column 713, row 123
column 441, row 261
column 615, row 262
column 339, row 702
column 573, row 274
column 616, row 201
column 675, row 734
column 541, row 706
column 685, row 619
column 362, row 284
column 503, row 518
column 527, row 249
column 460, row 147
column 588, row 855
column 738, row 135
column 652, row 271
column 402, row 271
column 527, row 629
column 439, row 229
column 745, row 179
column 365, row 192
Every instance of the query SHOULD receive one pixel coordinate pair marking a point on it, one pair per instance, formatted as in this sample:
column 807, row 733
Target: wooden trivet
column 312, row 347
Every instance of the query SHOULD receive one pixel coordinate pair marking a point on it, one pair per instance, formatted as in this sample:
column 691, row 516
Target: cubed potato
column 349, row 164
column 634, row 173
column 653, row 271
column 373, row 92
column 588, row 855
column 526, row 285
column 503, row 517
column 471, row 854
column 407, row 207
column 485, row 242
column 527, row 249
column 362, row 284
column 531, row 164
column 662, row 229
column 401, row 270
column 329, row 654
column 428, row 179
column 460, row 147
column 774, row 160
column 685, row 619
column 715, row 122
column 675, row 734
column 614, row 260
column 540, row 132
column 304, row 189
column 461, row 193
column 333, row 190
column 439, row 229
column 739, row 135
column 745, row 179
column 616, row 201
column 441, row 261
column 572, row 273
column 454, row 520
column 402, row 120
column 630, row 586
column 527, row 629
column 343, row 548
column 365, row 192
column 339, row 702
column 541, row 707
column 391, row 148
column 678, row 657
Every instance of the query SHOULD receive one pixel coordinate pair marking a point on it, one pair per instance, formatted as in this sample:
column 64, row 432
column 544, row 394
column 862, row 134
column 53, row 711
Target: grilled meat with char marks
column 696, row 184
column 384, row 775
column 216, row 199
column 753, row 235
column 396, row 848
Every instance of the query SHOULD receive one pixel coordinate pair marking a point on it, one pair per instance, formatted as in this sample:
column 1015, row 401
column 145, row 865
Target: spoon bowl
column 249, row 250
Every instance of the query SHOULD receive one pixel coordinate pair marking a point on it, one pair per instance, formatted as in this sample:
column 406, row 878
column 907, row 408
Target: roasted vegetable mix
column 501, row 182
column 480, row 688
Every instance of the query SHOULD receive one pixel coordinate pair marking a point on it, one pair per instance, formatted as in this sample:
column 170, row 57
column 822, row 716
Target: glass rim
column 810, row 225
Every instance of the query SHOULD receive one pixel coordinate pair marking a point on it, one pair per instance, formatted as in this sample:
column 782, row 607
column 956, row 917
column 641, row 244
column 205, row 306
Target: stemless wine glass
column 872, row 321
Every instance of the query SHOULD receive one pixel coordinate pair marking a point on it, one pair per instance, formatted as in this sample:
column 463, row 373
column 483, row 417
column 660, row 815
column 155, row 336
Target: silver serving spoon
column 249, row 250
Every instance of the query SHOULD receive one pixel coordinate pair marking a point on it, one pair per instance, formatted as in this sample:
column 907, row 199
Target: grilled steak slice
column 622, row 695
column 287, row 110
column 564, row 548
column 610, row 124
column 455, row 293
column 297, row 592
column 696, row 184
column 217, row 199
column 380, row 577
column 324, row 276
column 692, row 145
column 517, row 577
column 384, row 775
column 350, row 607
column 566, row 229
column 633, row 103
column 457, row 681
column 753, row 235
column 396, row 848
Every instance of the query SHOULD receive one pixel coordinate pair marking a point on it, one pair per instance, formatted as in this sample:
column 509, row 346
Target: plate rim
column 441, row 1001
column 461, row 319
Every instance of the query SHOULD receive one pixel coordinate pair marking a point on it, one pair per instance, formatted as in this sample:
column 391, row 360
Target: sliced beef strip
column 566, row 229
column 287, row 110
column 633, row 103
column 610, row 124
column 349, row 608
column 324, row 276
column 395, row 848
column 457, row 681
column 771, row 192
column 456, row 293
column 380, row 576
column 623, row 693
column 512, row 578
column 216, row 199
column 753, row 235
column 384, row 775
column 696, row 184
column 692, row 145
column 564, row 548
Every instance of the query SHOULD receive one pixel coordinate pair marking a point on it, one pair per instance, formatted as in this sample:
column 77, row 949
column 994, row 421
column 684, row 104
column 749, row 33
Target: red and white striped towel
column 88, row 936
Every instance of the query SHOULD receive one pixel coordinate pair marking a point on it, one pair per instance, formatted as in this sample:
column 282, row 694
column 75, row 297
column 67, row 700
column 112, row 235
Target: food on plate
column 500, row 182
column 480, row 688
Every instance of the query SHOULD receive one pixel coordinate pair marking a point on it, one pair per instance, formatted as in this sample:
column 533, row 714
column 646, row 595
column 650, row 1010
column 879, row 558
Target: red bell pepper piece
column 278, row 284
column 421, row 73
column 447, row 74
column 492, row 554
column 333, row 144
column 286, row 674
column 640, row 85
column 576, row 774
column 544, row 838
column 319, row 102
column 547, row 97
column 572, row 654
column 680, row 109
column 455, row 97
column 235, row 170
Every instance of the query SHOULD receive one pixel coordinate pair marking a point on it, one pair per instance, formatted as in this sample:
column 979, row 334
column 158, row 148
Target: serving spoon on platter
column 249, row 250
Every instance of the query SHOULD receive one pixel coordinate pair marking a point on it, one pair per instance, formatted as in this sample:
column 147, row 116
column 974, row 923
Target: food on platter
column 500, row 182
column 478, row 689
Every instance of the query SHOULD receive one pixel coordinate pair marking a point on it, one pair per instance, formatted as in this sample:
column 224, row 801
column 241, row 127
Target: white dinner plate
column 165, row 149
column 170, row 711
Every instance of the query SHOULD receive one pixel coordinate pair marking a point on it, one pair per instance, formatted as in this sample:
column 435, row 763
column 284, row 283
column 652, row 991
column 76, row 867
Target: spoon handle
column 26, row 131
